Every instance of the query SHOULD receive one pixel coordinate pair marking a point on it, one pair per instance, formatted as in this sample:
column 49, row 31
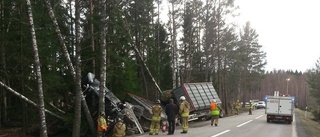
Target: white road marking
column 259, row 117
column 220, row 133
column 244, row 123
column 294, row 132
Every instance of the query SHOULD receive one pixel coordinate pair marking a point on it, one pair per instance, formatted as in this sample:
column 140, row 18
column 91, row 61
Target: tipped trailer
column 200, row 96
column 279, row 108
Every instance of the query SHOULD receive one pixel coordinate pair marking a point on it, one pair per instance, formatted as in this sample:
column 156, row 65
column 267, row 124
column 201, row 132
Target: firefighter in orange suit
column 156, row 117
column 102, row 124
column 215, row 111
column 184, row 110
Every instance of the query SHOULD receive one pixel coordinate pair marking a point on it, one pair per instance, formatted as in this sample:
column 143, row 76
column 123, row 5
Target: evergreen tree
column 314, row 83
column 251, row 59
column 187, row 48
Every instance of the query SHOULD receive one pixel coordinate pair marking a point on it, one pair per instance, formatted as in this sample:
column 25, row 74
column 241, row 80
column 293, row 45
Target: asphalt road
column 242, row 125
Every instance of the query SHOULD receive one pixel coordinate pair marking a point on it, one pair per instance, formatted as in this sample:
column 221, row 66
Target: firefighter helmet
column 158, row 101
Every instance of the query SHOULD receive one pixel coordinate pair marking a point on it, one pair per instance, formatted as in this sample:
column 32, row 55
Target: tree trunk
column 60, row 37
column 78, row 95
column 139, row 56
column 27, row 100
column 43, row 129
column 174, row 49
column 92, row 37
column 1, row 52
column 3, row 31
column 67, row 56
column 103, row 50
column 24, row 105
column 87, row 114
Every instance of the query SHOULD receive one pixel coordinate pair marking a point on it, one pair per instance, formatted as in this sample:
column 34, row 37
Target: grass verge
column 311, row 127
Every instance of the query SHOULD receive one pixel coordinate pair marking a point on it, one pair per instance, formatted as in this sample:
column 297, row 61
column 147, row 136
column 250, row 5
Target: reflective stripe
column 156, row 119
column 185, row 114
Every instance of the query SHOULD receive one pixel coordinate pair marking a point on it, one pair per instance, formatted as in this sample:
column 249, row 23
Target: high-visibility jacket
column 119, row 129
column 237, row 105
column 184, row 109
column 250, row 106
column 102, row 124
column 214, row 108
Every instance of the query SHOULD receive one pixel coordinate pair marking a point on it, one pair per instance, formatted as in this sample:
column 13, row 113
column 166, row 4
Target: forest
column 48, row 46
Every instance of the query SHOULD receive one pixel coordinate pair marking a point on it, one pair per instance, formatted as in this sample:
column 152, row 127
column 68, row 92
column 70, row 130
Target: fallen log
column 27, row 100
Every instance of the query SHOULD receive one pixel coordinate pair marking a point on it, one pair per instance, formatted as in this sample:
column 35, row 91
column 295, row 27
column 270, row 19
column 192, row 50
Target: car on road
column 261, row 104
column 255, row 103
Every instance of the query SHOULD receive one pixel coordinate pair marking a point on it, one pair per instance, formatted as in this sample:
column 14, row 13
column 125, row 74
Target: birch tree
column 103, row 57
column 43, row 128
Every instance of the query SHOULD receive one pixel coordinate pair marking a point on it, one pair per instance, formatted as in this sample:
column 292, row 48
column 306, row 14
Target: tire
column 268, row 120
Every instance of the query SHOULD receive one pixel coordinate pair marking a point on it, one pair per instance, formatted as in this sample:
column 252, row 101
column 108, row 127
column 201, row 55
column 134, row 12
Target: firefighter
column 215, row 111
column 237, row 107
column 102, row 124
column 250, row 107
column 184, row 113
column 156, row 117
column 119, row 129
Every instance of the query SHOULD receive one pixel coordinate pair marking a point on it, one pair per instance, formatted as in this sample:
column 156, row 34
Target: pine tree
column 251, row 58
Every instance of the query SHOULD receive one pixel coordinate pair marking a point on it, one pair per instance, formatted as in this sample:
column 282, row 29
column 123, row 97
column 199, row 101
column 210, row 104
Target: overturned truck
column 199, row 95
column 114, row 108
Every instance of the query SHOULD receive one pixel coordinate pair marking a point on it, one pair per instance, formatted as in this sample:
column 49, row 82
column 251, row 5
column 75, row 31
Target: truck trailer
column 279, row 108
column 200, row 96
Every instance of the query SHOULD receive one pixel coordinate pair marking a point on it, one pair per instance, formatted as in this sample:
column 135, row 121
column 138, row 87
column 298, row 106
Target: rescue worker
column 119, row 129
column 215, row 111
column 184, row 110
column 250, row 108
column 156, row 117
column 172, row 112
column 102, row 124
column 237, row 107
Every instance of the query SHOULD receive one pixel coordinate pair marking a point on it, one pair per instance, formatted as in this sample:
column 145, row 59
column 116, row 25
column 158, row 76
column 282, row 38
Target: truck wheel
column 268, row 120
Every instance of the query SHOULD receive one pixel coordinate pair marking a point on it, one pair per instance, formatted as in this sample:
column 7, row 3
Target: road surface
column 242, row 125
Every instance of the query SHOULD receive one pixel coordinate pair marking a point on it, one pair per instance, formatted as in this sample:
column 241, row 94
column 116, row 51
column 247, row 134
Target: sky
column 288, row 31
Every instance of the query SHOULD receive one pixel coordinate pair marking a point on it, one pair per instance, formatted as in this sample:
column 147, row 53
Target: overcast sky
column 288, row 30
